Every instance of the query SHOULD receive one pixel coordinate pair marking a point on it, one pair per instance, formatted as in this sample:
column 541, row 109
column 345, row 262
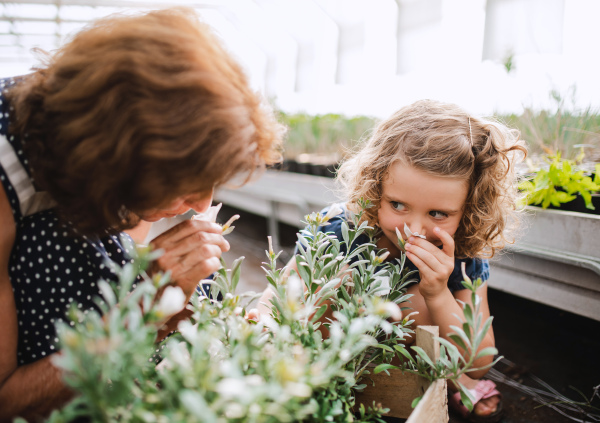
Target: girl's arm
column 434, row 301
column 33, row 390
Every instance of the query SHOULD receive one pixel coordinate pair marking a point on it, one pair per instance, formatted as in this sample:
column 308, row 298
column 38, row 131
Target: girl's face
column 199, row 202
column 422, row 201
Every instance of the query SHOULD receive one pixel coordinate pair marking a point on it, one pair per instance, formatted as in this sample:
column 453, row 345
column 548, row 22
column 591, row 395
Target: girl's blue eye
column 437, row 214
column 397, row 206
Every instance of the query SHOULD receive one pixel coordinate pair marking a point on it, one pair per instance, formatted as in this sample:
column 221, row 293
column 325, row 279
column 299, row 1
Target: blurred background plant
column 329, row 136
column 562, row 130
column 546, row 132
column 222, row 367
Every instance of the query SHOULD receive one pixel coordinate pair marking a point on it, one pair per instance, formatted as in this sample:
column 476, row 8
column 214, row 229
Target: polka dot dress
column 50, row 268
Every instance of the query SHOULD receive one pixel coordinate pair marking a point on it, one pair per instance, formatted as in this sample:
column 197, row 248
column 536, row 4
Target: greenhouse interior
column 300, row 211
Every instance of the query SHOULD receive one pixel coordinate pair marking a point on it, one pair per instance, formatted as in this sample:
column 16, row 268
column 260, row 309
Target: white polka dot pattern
column 50, row 266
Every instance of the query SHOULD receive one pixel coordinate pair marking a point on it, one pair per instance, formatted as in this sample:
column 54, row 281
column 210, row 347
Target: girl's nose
column 416, row 227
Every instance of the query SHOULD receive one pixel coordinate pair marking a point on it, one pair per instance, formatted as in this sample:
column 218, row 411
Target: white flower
column 234, row 410
column 294, row 287
column 385, row 284
column 464, row 272
column 271, row 252
column 298, row 389
column 188, row 330
column 231, row 388
column 393, row 311
column 210, row 215
column 227, row 228
column 345, row 355
column 409, row 233
column 172, row 301
column 400, row 240
column 333, row 211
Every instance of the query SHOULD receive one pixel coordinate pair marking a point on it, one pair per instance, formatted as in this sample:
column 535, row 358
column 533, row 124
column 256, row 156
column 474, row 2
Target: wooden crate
column 397, row 390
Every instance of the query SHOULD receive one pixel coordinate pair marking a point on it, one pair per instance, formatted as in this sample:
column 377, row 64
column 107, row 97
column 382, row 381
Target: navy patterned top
column 50, row 266
column 474, row 267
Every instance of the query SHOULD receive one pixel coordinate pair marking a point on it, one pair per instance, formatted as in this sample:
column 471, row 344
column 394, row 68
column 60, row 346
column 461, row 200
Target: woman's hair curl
column 136, row 111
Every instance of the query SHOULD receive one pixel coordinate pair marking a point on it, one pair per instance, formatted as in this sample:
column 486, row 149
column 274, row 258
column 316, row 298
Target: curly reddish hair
column 136, row 111
column 444, row 140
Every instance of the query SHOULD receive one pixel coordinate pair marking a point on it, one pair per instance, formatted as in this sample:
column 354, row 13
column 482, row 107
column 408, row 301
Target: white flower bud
column 172, row 301
column 333, row 211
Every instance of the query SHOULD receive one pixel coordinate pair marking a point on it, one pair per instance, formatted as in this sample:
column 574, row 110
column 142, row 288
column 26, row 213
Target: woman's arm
column 35, row 389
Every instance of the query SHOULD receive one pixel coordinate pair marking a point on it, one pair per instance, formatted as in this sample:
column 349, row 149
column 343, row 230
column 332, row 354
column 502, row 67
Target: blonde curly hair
column 444, row 140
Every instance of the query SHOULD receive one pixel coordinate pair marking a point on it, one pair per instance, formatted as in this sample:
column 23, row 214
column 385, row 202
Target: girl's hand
column 435, row 265
column 192, row 252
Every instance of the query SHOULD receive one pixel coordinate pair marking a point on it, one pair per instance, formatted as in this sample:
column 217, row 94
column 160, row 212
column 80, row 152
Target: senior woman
column 137, row 118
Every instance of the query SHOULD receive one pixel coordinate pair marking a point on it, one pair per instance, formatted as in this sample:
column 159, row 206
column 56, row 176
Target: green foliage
column 562, row 130
column 221, row 367
column 559, row 183
column 508, row 62
column 329, row 135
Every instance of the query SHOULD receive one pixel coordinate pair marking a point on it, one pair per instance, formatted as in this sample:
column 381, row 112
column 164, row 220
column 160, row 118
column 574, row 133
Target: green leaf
column 421, row 353
column 465, row 396
column 416, row 401
column 402, row 350
column 319, row 313
column 107, row 293
column 486, row 351
column 384, row 367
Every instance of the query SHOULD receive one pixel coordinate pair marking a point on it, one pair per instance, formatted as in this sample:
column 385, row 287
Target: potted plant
column 222, row 367
column 562, row 184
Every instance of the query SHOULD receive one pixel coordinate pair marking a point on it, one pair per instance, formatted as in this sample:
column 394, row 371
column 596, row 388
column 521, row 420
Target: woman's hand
column 192, row 252
column 435, row 265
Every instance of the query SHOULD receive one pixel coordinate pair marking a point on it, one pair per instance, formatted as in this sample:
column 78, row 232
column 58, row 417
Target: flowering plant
column 222, row 367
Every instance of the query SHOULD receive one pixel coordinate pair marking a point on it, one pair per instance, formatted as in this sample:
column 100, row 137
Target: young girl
column 449, row 177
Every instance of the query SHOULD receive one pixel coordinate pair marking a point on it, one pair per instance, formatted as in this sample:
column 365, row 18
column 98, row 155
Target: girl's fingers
column 425, row 255
column 424, row 269
column 447, row 241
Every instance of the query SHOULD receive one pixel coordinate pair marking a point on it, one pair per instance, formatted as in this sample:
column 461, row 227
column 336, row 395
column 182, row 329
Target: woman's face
column 422, row 201
column 199, row 202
